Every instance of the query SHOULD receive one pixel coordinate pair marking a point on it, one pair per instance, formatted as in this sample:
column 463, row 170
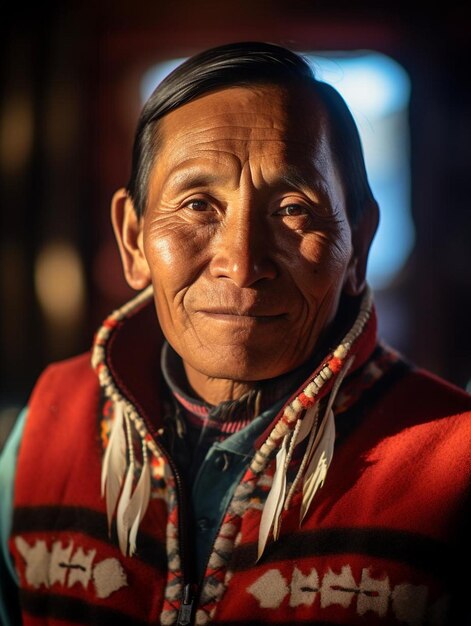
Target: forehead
column 255, row 117
column 275, row 133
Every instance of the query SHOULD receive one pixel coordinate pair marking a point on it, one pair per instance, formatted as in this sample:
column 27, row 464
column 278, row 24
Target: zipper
column 190, row 589
column 191, row 592
column 185, row 613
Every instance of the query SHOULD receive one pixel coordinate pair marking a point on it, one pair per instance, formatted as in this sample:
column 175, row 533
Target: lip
column 237, row 315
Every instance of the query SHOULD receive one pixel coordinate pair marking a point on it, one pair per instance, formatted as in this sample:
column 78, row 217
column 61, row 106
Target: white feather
column 320, row 449
column 114, row 463
column 307, row 423
column 307, row 427
column 274, row 502
column 318, row 465
column 281, row 497
column 121, row 517
column 138, row 505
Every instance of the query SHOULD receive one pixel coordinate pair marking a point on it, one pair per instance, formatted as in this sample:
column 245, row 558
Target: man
column 262, row 458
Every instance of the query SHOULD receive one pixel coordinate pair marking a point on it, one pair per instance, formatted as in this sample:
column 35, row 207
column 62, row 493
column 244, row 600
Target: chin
column 242, row 364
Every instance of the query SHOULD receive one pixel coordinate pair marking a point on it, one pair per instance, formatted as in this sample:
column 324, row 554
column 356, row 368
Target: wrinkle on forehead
column 226, row 154
column 204, row 132
column 275, row 133
column 269, row 119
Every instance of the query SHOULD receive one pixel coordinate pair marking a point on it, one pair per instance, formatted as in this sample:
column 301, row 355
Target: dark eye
column 293, row 210
column 198, row 205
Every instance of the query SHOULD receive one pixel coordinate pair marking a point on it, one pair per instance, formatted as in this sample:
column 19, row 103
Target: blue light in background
column 377, row 90
column 156, row 74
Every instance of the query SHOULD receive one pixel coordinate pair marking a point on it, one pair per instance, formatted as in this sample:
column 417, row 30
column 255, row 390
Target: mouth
column 234, row 315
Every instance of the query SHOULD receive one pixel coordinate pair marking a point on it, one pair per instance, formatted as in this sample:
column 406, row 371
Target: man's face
column 245, row 236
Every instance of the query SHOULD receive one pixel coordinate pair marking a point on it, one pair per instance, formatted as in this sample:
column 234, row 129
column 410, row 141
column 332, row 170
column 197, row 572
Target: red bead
column 335, row 364
column 306, row 401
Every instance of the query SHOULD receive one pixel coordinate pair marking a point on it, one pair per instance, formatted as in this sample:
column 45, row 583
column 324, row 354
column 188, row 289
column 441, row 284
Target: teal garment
column 9, row 607
column 223, row 467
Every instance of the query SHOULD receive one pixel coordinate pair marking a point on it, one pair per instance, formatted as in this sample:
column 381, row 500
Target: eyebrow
column 293, row 177
column 185, row 179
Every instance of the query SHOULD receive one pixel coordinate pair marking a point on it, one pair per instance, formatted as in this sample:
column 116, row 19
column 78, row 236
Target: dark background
column 69, row 100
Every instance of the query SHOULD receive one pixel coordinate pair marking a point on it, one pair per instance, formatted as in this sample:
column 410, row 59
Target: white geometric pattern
column 68, row 566
column 406, row 602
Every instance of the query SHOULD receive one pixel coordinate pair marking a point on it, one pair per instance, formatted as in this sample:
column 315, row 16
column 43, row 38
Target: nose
column 242, row 252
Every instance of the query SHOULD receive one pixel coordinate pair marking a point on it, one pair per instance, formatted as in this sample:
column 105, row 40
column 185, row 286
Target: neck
column 216, row 390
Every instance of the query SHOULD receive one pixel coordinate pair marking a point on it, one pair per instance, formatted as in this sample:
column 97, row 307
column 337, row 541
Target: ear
column 127, row 228
column 362, row 236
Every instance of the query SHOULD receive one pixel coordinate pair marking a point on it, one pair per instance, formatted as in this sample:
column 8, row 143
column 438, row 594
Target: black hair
column 247, row 64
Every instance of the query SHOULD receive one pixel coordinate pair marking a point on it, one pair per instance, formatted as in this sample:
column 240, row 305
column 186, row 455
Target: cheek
column 172, row 255
column 324, row 259
column 161, row 252
column 319, row 276
column 173, row 260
